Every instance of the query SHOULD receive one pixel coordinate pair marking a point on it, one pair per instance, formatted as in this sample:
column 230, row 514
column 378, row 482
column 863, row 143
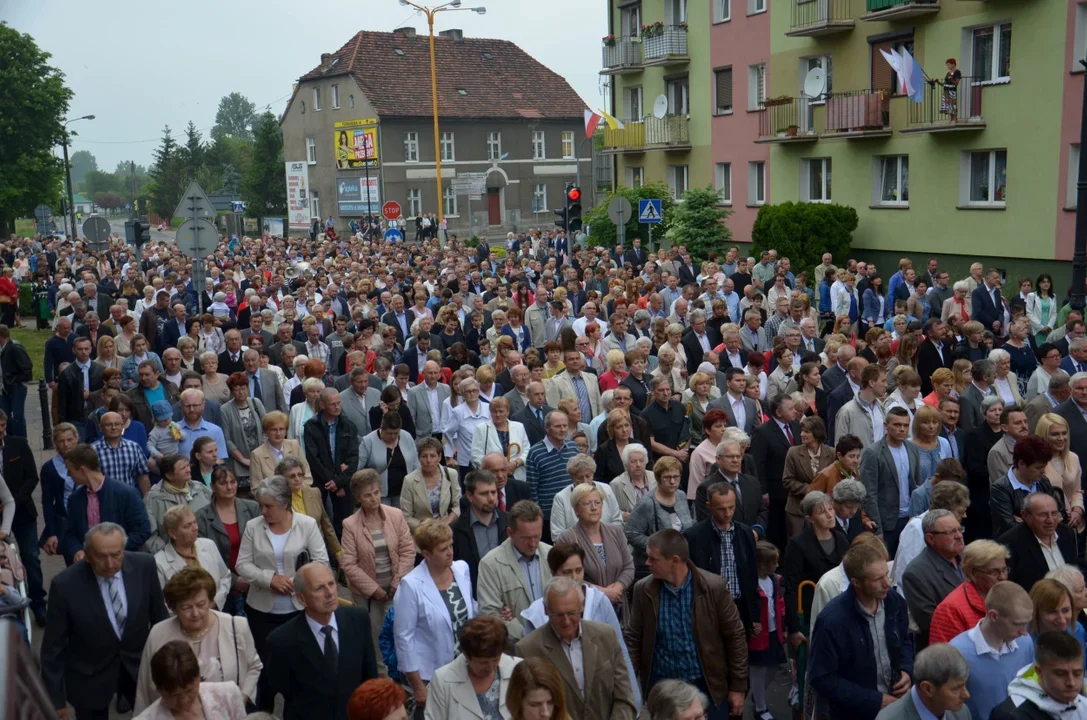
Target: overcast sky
column 141, row 65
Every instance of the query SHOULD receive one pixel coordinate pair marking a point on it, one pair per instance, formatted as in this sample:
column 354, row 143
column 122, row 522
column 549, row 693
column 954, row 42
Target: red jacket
column 762, row 640
column 956, row 613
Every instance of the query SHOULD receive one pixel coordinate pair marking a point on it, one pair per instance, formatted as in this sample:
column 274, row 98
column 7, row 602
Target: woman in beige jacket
column 431, row 483
column 276, row 446
column 377, row 551
column 1064, row 469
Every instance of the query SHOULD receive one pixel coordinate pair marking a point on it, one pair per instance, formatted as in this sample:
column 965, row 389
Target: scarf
column 173, row 489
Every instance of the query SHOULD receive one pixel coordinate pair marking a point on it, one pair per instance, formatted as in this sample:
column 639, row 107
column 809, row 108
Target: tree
column 231, row 181
column 602, row 230
column 82, row 162
column 35, row 101
column 698, row 223
column 802, row 232
column 265, row 186
column 97, row 182
column 167, row 185
column 236, row 117
column 109, row 200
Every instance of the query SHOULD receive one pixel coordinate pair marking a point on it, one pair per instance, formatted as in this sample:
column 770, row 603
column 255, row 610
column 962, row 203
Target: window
column 724, row 183
column 1080, row 42
column 350, row 101
column 723, row 88
column 894, row 181
column 819, row 61
column 815, row 180
column 494, row 146
column 415, row 202
column 539, row 145
column 987, row 178
column 678, row 92
column 883, row 77
column 756, row 183
column 411, row 147
column 722, row 10
column 450, row 202
column 335, row 97
column 314, row 204
column 630, row 21
column 675, row 12
column 677, row 180
column 568, row 144
column 991, row 53
column 539, row 198
column 635, row 176
column 634, row 103
column 303, row 107
column 311, row 150
column 756, row 6
column 316, row 99
column 756, row 86
column 1072, row 201
column 448, row 151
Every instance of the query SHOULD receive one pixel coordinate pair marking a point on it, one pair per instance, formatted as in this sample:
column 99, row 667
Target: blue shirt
column 332, row 437
column 1016, row 485
column 991, row 670
column 675, row 656
column 530, row 566
column 919, row 706
column 902, row 463
column 203, row 429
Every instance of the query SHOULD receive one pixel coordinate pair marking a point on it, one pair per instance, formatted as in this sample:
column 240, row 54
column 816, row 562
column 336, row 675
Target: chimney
column 456, row 35
column 326, row 58
column 408, row 32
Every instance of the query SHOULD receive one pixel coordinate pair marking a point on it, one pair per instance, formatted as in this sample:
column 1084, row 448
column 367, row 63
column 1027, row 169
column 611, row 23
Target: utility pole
column 68, row 176
column 1079, row 253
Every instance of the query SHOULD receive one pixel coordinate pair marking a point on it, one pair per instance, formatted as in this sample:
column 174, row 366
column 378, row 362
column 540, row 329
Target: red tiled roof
column 399, row 85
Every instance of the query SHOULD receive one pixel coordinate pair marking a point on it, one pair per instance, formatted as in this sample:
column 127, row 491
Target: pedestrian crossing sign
column 649, row 211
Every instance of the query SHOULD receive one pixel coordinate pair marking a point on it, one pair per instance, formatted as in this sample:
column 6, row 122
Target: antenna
column 660, row 107
column 815, row 83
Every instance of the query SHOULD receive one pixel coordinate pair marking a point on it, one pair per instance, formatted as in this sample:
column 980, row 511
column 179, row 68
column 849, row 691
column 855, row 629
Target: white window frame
column 448, row 147
column 311, row 151
column 449, row 202
column 722, row 175
column 878, row 166
column 494, row 146
column 995, row 78
column 411, row 147
column 539, row 145
column 966, row 179
column 314, row 204
column 756, row 182
column 568, row 152
column 678, row 92
column 317, row 99
column 718, row 109
column 755, row 7
column 335, row 97
column 415, row 202
column 825, row 189
column 722, row 11
column 1071, row 200
column 675, row 173
column 635, row 176
column 674, row 9
column 756, row 86
column 631, row 93
column 539, row 198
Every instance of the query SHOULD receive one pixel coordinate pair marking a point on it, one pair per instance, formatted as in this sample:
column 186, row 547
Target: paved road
column 117, row 225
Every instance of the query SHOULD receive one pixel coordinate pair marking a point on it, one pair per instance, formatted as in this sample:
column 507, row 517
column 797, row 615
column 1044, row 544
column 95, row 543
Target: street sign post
column 96, row 229
column 197, row 236
column 42, row 214
column 649, row 213
column 391, row 210
column 619, row 210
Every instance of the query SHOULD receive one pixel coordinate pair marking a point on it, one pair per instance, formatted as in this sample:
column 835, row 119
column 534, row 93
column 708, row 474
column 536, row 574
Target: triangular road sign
column 195, row 203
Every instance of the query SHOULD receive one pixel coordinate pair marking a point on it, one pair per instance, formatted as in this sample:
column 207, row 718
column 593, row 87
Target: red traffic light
column 573, row 194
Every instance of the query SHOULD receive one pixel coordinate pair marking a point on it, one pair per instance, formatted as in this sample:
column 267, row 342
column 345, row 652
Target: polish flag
column 592, row 120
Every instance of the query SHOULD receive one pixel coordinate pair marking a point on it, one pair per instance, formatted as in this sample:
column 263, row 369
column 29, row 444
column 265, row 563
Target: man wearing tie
column 1076, row 360
column 770, row 443
column 808, row 341
column 635, row 256
column 263, row 386
column 532, row 417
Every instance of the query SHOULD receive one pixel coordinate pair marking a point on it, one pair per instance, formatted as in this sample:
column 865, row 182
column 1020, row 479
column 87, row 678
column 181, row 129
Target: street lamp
column 430, row 13
column 68, row 171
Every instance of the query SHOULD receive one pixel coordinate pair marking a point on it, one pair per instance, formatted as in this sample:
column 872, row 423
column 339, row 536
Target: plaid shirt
column 676, row 655
column 773, row 325
column 122, row 464
column 728, row 560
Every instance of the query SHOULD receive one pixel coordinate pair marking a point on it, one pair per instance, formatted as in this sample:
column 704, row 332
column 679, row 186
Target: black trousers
column 126, row 688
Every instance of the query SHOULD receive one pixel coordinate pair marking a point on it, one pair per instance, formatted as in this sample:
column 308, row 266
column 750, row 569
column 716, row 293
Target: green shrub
column 802, row 232
column 26, row 300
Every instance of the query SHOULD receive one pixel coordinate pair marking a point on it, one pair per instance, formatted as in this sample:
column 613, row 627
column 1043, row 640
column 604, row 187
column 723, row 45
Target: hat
column 161, row 410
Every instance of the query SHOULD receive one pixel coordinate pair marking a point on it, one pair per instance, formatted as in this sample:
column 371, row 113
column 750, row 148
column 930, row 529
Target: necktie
column 118, row 605
column 257, row 392
column 332, row 654
column 789, row 434
column 502, row 499
column 539, row 415
column 582, row 396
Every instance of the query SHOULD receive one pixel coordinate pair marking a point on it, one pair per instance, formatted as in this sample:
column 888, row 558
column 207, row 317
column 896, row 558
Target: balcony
column 623, row 55
column 898, row 9
column 857, row 114
column 664, row 44
column 668, row 133
column 941, row 110
column 812, row 18
column 786, row 120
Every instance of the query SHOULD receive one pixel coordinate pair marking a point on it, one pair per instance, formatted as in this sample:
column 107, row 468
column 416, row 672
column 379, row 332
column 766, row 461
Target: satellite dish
column 815, row 83
column 660, row 107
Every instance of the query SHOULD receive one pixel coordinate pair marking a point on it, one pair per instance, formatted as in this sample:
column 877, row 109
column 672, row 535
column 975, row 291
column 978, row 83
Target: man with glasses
column 936, row 572
column 195, row 426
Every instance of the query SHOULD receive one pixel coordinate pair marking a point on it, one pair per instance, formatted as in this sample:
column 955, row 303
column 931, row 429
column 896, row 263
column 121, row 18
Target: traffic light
column 137, row 233
column 573, row 208
column 562, row 221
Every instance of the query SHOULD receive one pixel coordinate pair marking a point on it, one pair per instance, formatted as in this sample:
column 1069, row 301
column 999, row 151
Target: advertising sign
column 298, row 196
column 355, row 144
column 274, row 226
column 354, row 199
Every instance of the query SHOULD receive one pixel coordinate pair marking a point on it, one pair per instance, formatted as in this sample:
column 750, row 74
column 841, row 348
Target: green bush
column 802, row 232
column 26, row 300
column 698, row 223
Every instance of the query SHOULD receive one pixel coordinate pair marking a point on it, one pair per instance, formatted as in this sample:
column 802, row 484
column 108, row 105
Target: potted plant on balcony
column 791, row 130
column 779, row 100
column 609, row 41
column 653, row 29
column 683, row 26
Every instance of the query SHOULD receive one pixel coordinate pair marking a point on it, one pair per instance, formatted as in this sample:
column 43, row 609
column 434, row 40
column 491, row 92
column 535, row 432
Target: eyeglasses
column 952, row 531
column 592, row 504
column 997, row 573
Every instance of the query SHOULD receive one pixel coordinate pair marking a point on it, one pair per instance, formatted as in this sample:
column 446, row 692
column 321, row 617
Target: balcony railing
column 665, row 45
column 948, row 109
column 819, row 17
column 786, row 120
column 623, row 54
column 895, row 9
column 650, row 133
column 858, row 112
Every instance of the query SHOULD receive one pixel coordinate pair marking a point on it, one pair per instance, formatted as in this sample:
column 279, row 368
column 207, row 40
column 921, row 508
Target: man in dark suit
column 283, row 337
column 1076, row 360
column 1060, row 389
column 332, row 462
column 704, row 539
column 983, row 373
column 531, row 416
column 635, row 256
column 835, row 375
column 934, row 354
column 769, row 444
column 986, row 304
column 845, row 392
column 318, row 658
column 78, row 380
column 92, row 329
column 688, row 271
column 400, row 319
column 1041, row 526
column 230, row 360
column 16, row 371
column 950, row 430
column 101, row 611
column 510, row 490
column 699, row 340
column 175, row 328
column 883, row 481
column 751, row 508
column 733, row 398
column 480, row 489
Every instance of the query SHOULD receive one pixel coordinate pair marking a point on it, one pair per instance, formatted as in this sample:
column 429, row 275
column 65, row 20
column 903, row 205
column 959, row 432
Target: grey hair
column 812, row 502
column 104, row 528
column 1077, row 378
column 467, row 383
column 580, row 462
column 674, row 327
column 1075, row 344
column 299, row 579
column 632, row 448
column 276, row 488
column 696, row 315
column 737, row 435
column 643, row 340
column 607, row 398
column 92, row 315
column 928, row 524
column 1029, row 499
column 992, row 400
column 725, row 444
column 849, row 491
column 1065, row 575
column 961, row 285
column 939, row 664
column 561, row 586
column 997, row 355
column 287, row 464
column 1058, row 380
column 641, row 316
column 669, row 698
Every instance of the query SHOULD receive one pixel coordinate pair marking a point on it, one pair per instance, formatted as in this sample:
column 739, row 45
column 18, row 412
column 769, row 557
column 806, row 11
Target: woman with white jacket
column 502, row 436
column 581, row 469
column 185, row 549
column 848, row 299
column 474, row 685
column 1042, row 309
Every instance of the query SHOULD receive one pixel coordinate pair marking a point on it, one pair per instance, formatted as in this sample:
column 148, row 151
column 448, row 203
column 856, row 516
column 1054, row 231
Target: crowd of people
column 541, row 479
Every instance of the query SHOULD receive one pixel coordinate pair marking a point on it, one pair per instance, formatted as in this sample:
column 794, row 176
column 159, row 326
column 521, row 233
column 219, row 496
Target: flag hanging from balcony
column 613, row 124
column 592, row 120
column 912, row 77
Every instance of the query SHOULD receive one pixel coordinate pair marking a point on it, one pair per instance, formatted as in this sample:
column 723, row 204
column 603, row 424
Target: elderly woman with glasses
column 666, row 507
column 459, row 426
column 984, row 564
column 635, row 482
column 306, row 500
column 581, row 469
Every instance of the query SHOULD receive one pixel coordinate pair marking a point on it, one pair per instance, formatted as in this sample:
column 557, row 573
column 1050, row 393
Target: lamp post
column 68, row 172
column 1079, row 252
column 430, row 13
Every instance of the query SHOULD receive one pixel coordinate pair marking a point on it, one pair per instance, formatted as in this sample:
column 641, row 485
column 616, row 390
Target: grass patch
column 34, row 342
column 25, row 227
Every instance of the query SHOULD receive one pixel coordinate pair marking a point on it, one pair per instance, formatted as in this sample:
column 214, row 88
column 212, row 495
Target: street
column 117, row 225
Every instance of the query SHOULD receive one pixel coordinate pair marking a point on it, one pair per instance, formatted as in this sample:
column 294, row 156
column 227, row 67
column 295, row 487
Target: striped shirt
column 545, row 471
column 676, row 655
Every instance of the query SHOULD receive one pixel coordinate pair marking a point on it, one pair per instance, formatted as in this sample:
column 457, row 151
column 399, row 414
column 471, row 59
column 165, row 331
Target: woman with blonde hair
column 668, row 367
column 275, row 448
column 617, row 370
column 570, row 406
column 943, row 385
column 485, row 376
column 214, row 383
column 674, row 334
column 1064, row 466
column 107, row 353
column 303, row 411
column 430, row 492
column 535, row 692
column 697, row 398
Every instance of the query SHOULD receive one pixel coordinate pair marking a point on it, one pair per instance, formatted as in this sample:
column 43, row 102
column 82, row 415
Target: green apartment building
column 983, row 175
column 653, row 52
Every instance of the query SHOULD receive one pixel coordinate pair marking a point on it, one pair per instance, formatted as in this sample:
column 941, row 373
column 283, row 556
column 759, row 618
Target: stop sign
column 391, row 210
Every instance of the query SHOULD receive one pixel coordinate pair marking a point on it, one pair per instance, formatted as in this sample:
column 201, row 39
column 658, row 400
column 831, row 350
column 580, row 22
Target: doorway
column 494, row 206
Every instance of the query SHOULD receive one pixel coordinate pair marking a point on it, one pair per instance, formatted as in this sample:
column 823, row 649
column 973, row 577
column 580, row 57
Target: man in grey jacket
column 890, row 470
column 425, row 400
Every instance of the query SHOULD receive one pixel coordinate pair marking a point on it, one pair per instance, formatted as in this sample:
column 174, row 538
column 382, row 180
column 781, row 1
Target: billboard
column 355, row 144
column 298, row 213
column 358, row 196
